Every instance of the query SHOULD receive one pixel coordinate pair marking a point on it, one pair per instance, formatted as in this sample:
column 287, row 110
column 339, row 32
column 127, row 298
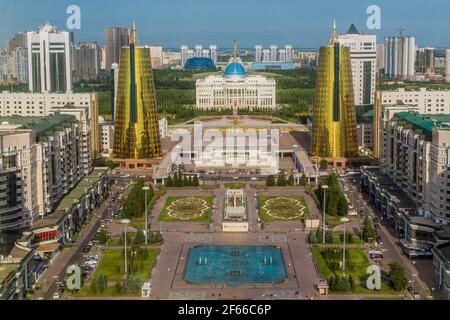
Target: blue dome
column 235, row 69
column 200, row 64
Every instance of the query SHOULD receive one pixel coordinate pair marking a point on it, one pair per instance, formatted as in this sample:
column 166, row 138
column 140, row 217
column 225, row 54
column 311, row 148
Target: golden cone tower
column 334, row 123
column 136, row 133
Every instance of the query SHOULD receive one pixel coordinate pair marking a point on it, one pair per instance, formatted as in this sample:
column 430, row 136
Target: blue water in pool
column 235, row 265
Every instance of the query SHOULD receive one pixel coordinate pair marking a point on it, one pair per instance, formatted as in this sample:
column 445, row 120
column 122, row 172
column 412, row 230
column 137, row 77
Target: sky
column 304, row 24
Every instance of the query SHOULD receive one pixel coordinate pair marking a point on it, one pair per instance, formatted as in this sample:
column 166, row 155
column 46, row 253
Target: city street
column 74, row 253
column 391, row 247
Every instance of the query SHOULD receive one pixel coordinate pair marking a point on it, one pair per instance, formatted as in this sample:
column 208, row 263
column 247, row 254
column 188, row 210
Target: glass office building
column 334, row 124
column 137, row 133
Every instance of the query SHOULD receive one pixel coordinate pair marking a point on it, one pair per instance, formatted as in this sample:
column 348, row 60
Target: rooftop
column 42, row 126
column 6, row 270
column 425, row 122
column 70, row 199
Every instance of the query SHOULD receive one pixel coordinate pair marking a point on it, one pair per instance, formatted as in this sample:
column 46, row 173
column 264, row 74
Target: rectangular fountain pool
column 234, row 266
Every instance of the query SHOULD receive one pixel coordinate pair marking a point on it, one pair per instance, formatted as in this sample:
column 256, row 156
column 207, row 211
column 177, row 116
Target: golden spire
column 133, row 37
column 334, row 36
column 235, row 52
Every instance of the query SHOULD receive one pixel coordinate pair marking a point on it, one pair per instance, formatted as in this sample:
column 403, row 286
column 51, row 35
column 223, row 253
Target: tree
column 329, row 236
column 281, row 181
column 169, row 182
column 323, row 164
column 290, row 181
column 270, row 182
column 94, row 286
column 102, row 283
column 303, row 180
column 312, row 238
column 195, row 181
column 342, row 205
column 102, row 237
column 351, row 282
column 368, row 231
column 139, row 238
column 397, row 276
column 110, row 164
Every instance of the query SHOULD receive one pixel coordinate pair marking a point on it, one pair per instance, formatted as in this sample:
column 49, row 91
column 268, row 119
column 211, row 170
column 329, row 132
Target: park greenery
column 336, row 203
column 288, row 208
column 177, row 180
column 134, row 204
column 332, row 237
column 329, row 262
column 108, row 280
column 282, row 181
column 188, row 209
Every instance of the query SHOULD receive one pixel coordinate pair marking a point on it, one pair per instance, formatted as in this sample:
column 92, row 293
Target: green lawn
column 113, row 258
column 358, row 258
column 334, row 221
column 265, row 216
column 170, row 200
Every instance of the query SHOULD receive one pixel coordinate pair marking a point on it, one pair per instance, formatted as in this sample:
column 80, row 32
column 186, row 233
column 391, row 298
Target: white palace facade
column 236, row 90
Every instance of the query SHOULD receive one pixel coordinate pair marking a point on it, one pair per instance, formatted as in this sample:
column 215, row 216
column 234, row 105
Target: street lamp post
column 146, row 190
column 344, row 220
column 125, row 222
column 324, row 188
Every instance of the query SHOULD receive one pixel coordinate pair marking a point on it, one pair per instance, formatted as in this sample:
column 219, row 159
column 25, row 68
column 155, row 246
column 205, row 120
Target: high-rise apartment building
column 184, row 55
column 258, row 53
column 86, row 61
column 334, row 125
column 213, row 53
column 380, row 57
column 49, row 60
column 115, row 39
column 84, row 106
column 425, row 61
column 400, row 57
column 363, row 53
column 447, row 65
column 136, row 135
column 289, row 53
column 273, row 52
column 198, row 51
column 42, row 159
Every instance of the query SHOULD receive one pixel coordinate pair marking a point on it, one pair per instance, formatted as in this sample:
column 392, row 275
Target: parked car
column 379, row 240
column 57, row 295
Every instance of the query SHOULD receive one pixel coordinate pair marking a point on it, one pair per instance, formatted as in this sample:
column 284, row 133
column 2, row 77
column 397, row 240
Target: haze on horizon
column 304, row 24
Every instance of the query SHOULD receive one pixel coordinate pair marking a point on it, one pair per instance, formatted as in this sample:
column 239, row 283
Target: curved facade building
column 334, row 125
column 137, row 133
column 204, row 64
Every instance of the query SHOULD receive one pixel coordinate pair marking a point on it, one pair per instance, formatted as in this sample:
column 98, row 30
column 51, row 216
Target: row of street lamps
column 344, row 220
column 125, row 222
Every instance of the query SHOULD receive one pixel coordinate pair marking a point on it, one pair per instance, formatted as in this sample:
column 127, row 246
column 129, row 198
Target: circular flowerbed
column 284, row 208
column 188, row 208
